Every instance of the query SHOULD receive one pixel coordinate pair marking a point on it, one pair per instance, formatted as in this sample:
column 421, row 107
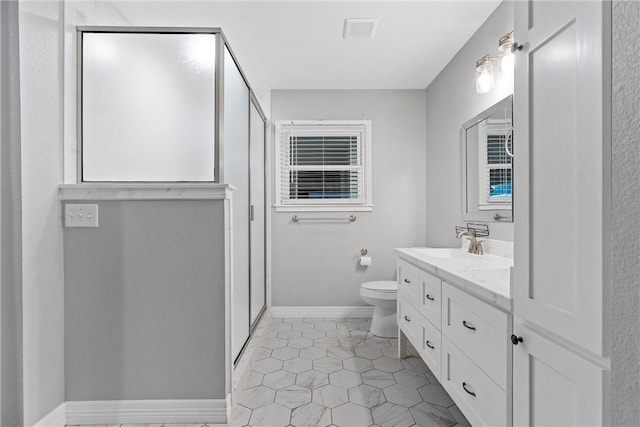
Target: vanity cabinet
column 463, row 339
column 479, row 330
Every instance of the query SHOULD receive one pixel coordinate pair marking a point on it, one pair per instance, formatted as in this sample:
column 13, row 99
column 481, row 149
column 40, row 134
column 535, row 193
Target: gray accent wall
column 451, row 101
column 315, row 263
column 625, row 283
column 145, row 302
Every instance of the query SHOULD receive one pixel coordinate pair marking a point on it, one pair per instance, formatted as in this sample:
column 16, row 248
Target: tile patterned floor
column 333, row 372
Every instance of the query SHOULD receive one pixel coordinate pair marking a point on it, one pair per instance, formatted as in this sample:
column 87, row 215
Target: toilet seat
column 382, row 286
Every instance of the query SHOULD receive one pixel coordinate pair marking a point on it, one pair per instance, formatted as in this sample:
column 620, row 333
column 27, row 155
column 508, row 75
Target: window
column 495, row 169
column 323, row 165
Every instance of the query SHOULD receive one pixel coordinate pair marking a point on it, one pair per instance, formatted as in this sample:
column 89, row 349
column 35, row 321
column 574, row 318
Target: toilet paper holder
column 363, row 251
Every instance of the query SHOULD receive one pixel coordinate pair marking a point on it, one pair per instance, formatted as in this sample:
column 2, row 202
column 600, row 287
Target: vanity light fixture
column 506, row 46
column 484, row 74
column 484, row 66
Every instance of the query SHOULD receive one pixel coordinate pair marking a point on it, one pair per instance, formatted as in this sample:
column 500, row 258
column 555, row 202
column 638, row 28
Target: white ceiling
column 299, row 44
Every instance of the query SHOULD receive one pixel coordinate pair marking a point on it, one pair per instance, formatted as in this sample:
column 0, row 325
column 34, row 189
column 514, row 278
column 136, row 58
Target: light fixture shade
column 484, row 75
column 506, row 45
column 507, row 62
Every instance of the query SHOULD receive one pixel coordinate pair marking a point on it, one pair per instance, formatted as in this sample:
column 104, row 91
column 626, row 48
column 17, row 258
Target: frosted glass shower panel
column 148, row 106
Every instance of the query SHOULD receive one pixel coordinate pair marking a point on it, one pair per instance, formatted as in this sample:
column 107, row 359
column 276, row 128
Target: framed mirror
column 487, row 157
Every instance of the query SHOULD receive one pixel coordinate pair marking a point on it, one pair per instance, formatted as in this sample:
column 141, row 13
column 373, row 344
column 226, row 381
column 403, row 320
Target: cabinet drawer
column 477, row 396
column 431, row 297
column 430, row 347
column 409, row 321
column 408, row 280
column 479, row 330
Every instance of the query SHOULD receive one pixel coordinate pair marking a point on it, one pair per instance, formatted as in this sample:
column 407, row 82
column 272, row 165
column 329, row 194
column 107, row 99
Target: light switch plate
column 80, row 215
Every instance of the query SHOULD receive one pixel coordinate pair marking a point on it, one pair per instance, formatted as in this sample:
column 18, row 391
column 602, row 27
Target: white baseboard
column 174, row 411
column 55, row 418
column 329, row 312
column 229, row 403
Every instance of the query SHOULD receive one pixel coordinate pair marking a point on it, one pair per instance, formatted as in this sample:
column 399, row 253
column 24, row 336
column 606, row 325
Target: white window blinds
column 322, row 163
column 496, row 182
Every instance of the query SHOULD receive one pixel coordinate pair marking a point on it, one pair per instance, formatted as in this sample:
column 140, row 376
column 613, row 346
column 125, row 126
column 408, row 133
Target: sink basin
column 440, row 252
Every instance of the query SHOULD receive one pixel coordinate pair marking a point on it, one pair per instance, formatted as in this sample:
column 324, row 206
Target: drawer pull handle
column 407, row 318
column 428, row 343
column 430, row 298
column 468, row 325
column 464, row 386
column 407, row 281
column 515, row 340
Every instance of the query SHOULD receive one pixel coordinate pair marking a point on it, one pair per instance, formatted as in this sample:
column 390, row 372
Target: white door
column 552, row 386
column 562, row 168
column 257, row 138
column 236, row 173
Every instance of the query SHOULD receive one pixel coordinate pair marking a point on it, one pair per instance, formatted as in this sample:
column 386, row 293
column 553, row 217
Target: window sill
column 324, row 208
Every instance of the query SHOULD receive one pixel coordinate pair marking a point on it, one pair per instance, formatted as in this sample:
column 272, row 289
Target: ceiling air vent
column 359, row 28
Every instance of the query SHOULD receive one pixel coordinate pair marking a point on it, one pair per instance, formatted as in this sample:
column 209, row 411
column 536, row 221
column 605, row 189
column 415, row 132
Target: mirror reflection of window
column 495, row 177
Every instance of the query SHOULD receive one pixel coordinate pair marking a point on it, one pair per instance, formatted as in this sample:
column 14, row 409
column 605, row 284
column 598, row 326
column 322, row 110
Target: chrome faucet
column 475, row 246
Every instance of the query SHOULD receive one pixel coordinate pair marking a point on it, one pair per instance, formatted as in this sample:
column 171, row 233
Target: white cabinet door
column 553, row 386
column 562, row 147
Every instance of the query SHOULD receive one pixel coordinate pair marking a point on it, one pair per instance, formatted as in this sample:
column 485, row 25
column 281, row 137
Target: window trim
column 329, row 205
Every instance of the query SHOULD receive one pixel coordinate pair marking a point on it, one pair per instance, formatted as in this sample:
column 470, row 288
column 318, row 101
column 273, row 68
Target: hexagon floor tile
column 270, row 415
column 357, row 364
column 333, row 371
column 327, row 364
column 257, row 397
column 411, row 378
column 378, row 378
column 311, row 414
column 351, row 415
column 279, row 379
column 434, row 393
column 402, row 395
column 297, row 365
column 293, row 396
column 426, row 414
column 367, row 396
column 312, row 379
column 330, row 396
column 345, row 378
column 266, row 366
column 390, row 415
column 387, row 364
column 313, row 353
column 285, row 353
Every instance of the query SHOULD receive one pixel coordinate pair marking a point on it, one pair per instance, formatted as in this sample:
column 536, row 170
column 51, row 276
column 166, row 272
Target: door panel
column 257, row 138
column 236, row 173
column 553, row 386
column 561, row 169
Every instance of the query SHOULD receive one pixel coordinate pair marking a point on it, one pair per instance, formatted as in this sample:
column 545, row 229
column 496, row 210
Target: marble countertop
column 486, row 276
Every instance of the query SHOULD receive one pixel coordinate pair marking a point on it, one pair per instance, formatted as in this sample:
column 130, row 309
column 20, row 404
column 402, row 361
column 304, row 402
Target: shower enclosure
column 167, row 105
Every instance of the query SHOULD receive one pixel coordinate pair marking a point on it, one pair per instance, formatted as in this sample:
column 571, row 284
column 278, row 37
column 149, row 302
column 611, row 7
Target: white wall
column 451, row 101
column 10, row 221
column 313, row 264
column 43, row 282
column 47, row 44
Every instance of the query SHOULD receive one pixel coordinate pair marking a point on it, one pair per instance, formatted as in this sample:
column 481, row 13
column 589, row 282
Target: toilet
column 382, row 295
